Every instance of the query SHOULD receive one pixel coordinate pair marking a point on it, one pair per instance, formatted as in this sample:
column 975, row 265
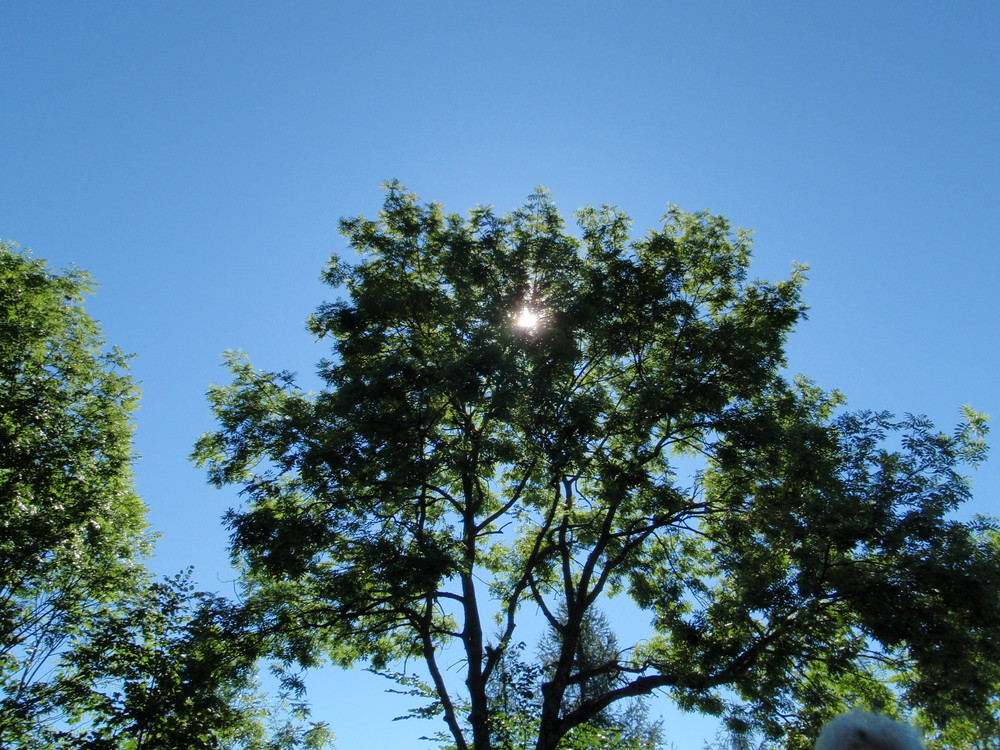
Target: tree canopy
column 94, row 653
column 71, row 526
column 516, row 419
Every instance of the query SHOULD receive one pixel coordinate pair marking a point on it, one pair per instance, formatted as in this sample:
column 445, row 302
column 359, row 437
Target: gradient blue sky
column 195, row 157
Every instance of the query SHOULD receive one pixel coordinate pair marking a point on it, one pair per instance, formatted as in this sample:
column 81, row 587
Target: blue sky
column 195, row 157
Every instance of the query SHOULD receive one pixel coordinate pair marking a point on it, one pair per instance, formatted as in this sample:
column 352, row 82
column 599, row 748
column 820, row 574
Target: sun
column 528, row 319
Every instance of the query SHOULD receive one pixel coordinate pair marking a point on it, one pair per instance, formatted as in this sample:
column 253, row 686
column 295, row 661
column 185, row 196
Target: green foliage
column 71, row 525
column 641, row 438
column 175, row 668
column 93, row 654
column 596, row 662
column 516, row 684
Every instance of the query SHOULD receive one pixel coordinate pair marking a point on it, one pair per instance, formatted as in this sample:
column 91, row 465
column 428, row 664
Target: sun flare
column 528, row 318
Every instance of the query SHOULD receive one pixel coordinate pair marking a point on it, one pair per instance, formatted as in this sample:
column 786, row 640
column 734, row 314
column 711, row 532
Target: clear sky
column 195, row 157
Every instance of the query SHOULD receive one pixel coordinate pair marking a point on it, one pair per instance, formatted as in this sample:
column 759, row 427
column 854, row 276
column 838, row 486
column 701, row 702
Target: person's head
column 859, row 730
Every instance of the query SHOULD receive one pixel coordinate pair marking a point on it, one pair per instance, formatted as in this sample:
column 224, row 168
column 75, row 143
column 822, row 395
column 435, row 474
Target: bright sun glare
column 528, row 318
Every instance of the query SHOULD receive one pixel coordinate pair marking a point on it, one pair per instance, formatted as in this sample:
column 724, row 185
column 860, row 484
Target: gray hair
column 860, row 730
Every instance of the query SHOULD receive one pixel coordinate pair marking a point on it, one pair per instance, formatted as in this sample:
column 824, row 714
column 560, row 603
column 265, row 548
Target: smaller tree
column 517, row 688
column 597, row 657
column 177, row 668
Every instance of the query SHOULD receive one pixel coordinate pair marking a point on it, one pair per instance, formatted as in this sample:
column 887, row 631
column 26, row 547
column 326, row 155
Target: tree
column 176, row 668
column 515, row 418
column 72, row 527
column 95, row 654
column 515, row 712
column 597, row 647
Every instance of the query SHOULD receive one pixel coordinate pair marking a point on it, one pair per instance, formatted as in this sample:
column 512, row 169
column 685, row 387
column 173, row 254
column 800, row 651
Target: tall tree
column 515, row 418
column 94, row 654
column 72, row 528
